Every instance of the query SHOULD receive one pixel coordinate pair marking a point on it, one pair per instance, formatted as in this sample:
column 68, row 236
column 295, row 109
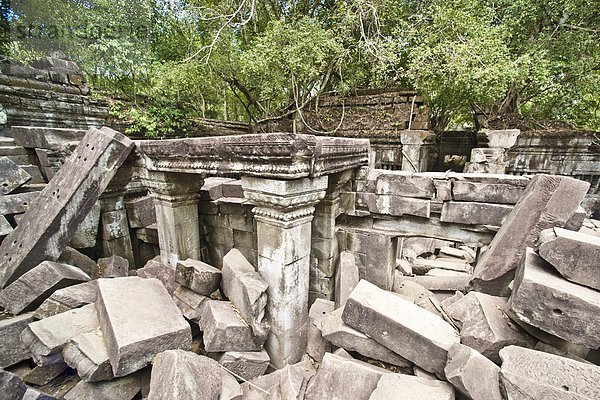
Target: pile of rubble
column 526, row 327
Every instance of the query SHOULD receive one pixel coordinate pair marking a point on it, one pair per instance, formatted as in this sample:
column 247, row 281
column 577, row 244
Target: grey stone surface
column 485, row 192
column 67, row 299
column 213, row 188
column 397, row 386
column 401, row 183
column 17, row 203
column 472, row 374
column 472, row 213
column 403, row 327
column 189, row 302
column 183, row 375
column 11, row 349
column 394, row 205
column 198, row 276
column 139, row 320
column 125, row 388
column 230, row 388
column 574, row 255
column 346, row 278
column 246, row 364
column 421, row 266
column 411, row 291
column 87, row 231
column 548, row 201
column 289, row 382
column 32, row 288
column 5, row 226
column 111, row 267
column 11, row 175
column 42, row 375
column 542, row 298
column 73, row 257
column 317, row 346
column 88, row 355
column 50, row 223
column 530, row 374
column 47, row 337
column 164, row 273
column 440, row 283
column 140, row 212
column 11, row 385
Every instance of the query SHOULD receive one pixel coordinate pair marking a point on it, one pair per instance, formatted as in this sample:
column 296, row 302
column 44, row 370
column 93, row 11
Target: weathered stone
column 402, row 183
column 440, row 283
column 421, row 266
column 317, row 346
column 36, row 285
column 11, row 349
column 542, row 298
column 198, row 276
column 403, row 327
column 213, row 188
column 232, row 189
column 411, row 291
column 111, row 267
column 394, row 205
column 5, row 226
column 156, row 269
column 530, row 374
column 346, row 278
column 413, row 247
column 11, row 175
column 87, row 231
column 49, row 225
column 396, row 386
column 225, row 330
column 42, row 375
column 179, row 374
column 11, row 386
column 88, row 355
column 378, row 261
column 67, row 299
column 247, row 365
column 289, row 382
column 472, row 374
column 75, row 258
column 341, row 378
column 17, row 203
column 140, row 212
column 486, row 192
column 574, row 255
column 189, row 302
column 230, row 388
column 46, row 338
column 472, row 213
column 548, row 201
column 124, row 388
column 128, row 309
column 247, row 290
column 339, row 334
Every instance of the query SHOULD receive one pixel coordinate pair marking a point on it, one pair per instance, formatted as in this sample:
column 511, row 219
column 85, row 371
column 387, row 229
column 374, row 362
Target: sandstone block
column 140, row 212
column 421, row 266
column 11, row 175
column 317, row 346
column 11, row 349
column 155, row 269
column 346, row 278
column 245, row 364
column 484, row 192
column 128, row 309
column 472, row 374
column 17, row 203
column 402, row 183
column 67, row 299
column 289, row 382
column 198, row 276
column 87, row 231
column 42, row 375
column 189, row 302
column 397, row 386
column 472, row 213
column 73, row 257
column 125, row 388
column 88, row 355
column 111, row 267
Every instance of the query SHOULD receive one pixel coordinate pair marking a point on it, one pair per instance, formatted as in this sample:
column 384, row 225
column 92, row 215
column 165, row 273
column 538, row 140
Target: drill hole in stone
column 557, row 311
column 565, row 388
column 4, row 184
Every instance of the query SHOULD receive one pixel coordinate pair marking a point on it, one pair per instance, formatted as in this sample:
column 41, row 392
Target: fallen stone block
column 548, row 201
column 440, row 283
column 139, row 320
column 246, row 289
column 339, row 334
column 403, row 327
column 212, row 189
column 394, row 205
column 411, row 291
column 111, row 267
column 397, row 386
column 232, row 189
column 140, row 212
column 179, row 374
column 542, row 298
column 87, row 354
column 461, row 253
column 230, row 388
column 87, row 231
column 404, row 267
column 11, row 349
column 42, row 375
column 574, row 255
column 289, row 382
column 198, row 276
column 530, row 374
column 346, row 278
column 125, row 388
column 11, row 175
column 17, row 203
column 485, row 326
column 5, row 227
column 49, row 225
column 415, row 246
column 317, row 346
column 246, row 365
column 46, row 338
column 12, row 386
column 67, row 299
column 155, row 269
column 73, row 257
column 421, row 266
column 341, row 378
column 471, row 213
column 472, row 374
column 501, row 193
column 189, row 302
column 225, row 330
column 402, row 183
column 36, row 285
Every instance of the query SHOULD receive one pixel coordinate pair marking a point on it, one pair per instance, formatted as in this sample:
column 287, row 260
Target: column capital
column 173, row 186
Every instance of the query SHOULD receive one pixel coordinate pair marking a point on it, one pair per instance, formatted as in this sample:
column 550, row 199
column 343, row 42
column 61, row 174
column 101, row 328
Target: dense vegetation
column 475, row 61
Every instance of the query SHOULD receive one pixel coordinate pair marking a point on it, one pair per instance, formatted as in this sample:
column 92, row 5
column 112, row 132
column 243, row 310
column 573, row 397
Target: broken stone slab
column 111, row 267
column 87, row 354
column 402, row 183
column 139, row 320
column 77, row 259
column 472, row 374
column 179, row 374
column 140, row 212
column 403, row 327
column 17, row 203
column 125, row 388
column 12, row 386
column 341, row 335
column 440, row 283
column 11, row 349
column 189, row 302
column 317, row 346
column 485, row 326
column 415, row 246
column 289, row 382
column 548, row 201
column 397, row 386
column 42, row 375
column 421, row 266
column 346, row 278
column 531, row 374
column 11, row 176
column 164, row 273
column 485, row 192
column 394, row 205
column 472, row 213
column 411, row 291
column 246, row 289
column 225, row 330
column 446, row 272
column 461, row 253
column 32, row 288
column 230, row 388
column 233, row 189
column 67, row 299
column 198, row 276
column 5, row 227
column 87, row 231
column 50, row 223
column 212, row 189
column 574, row 255
column 245, row 365
column 342, row 378
column 47, row 337
column 542, row 298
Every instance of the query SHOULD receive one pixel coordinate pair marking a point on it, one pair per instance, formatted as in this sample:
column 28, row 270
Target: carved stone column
column 284, row 211
column 175, row 197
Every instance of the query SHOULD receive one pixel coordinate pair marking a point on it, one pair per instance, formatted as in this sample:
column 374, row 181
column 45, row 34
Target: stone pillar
column 284, row 211
column 417, row 150
column 491, row 154
column 176, row 197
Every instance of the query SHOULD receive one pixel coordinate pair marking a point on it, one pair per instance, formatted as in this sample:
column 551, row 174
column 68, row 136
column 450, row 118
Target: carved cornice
column 272, row 155
column 173, row 187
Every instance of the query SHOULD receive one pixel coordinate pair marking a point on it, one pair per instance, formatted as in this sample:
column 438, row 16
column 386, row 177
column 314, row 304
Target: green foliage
column 153, row 121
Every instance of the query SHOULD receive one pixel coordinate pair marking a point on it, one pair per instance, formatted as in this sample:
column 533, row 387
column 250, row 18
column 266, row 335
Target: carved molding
column 173, row 187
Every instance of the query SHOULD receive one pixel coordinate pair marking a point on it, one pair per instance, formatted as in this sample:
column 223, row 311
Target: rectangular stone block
column 232, row 189
column 398, row 386
column 198, row 276
column 11, row 175
column 486, row 192
column 189, row 302
column 49, row 225
column 141, row 212
column 474, row 213
column 128, row 309
column 87, row 232
column 542, row 298
column 246, row 364
column 378, row 263
column 17, row 203
column 87, row 354
column 212, row 189
column 67, row 299
column 346, row 278
column 317, row 346
column 472, row 374
column 407, row 184
column 125, row 388
column 403, row 327
column 12, row 350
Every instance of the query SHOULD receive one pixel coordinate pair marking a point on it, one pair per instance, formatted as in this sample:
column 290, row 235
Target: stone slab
column 403, row 327
column 317, row 346
column 346, row 278
column 189, row 302
column 11, row 349
column 42, row 375
column 50, row 223
column 164, row 273
column 111, row 267
column 17, row 203
column 128, row 309
column 499, row 193
column 402, row 183
column 247, row 365
column 87, row 231
column 29, row 291
column 125, row 388
column 198, row 276
column 77, row 259
column 472, row 213
column 87, row 354
column 140, row 212
column 289, row 382
column 472, row 374
column 11, row 175
column 67, row 299
column 397, row 386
